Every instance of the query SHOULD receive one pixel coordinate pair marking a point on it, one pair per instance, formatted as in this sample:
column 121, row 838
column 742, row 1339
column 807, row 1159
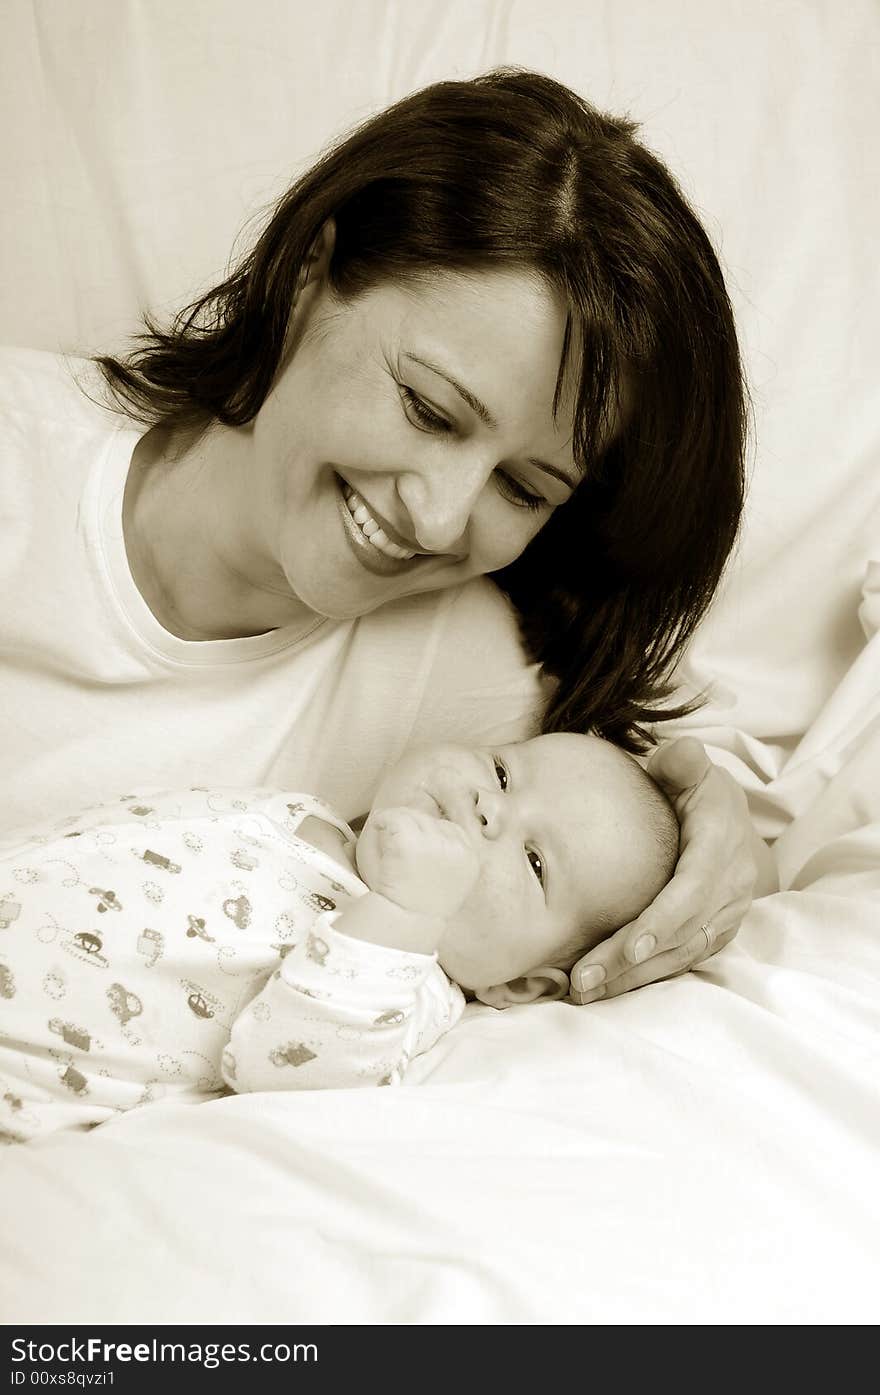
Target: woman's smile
column 368, row 540
column 376, row 530
column 340, row 453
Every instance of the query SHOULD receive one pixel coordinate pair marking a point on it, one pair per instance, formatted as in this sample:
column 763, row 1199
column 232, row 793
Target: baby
column 186, row 942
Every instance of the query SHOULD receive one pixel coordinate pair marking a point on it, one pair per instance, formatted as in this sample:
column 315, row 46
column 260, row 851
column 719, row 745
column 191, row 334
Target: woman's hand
column 700, row 909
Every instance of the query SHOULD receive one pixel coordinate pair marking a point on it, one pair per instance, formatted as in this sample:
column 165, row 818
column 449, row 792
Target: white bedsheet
column 705, row 1150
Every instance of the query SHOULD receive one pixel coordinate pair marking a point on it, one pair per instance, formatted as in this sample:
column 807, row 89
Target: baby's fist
column 423, row 863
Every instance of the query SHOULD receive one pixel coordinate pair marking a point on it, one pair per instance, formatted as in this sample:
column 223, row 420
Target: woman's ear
column 541, row 985
column 311, row 278
column 317, row 263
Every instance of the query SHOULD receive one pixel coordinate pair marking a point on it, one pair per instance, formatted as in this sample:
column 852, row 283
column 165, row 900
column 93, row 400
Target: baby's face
column 555, row 827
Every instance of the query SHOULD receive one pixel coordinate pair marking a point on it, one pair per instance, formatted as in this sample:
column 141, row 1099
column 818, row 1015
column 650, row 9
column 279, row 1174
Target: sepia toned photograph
column 439, row 670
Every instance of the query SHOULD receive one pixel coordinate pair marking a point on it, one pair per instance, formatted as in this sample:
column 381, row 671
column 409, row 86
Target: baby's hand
column 423, row 863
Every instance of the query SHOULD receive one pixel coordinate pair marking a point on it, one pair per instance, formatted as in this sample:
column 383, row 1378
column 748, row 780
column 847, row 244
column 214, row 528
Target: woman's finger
column 679, row 765
column 618, row 975
column 614, row 966
column 671, row 964
column 665, row 923
column 709, row 803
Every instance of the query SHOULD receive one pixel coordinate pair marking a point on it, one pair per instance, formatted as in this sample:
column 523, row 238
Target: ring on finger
column 710, row 933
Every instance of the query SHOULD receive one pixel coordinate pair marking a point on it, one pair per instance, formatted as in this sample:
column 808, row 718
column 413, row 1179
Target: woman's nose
column 489, row 808
column 440, row 501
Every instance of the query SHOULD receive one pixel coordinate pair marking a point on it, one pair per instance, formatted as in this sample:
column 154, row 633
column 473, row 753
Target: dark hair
column 512, row 168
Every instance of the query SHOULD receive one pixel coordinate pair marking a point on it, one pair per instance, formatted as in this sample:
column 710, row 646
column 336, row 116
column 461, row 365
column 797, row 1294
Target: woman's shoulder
column 480, row 603
column 480, row 625
column 52, row 387
column 461, row 638
column 478, row 682
column 475, row 615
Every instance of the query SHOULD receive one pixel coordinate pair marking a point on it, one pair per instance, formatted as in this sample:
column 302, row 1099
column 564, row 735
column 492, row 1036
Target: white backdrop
column 142, row 138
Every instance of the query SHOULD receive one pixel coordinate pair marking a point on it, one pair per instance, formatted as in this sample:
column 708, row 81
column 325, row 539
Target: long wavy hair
column 512, row 168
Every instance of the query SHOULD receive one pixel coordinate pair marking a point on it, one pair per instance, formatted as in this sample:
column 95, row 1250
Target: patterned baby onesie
column 180, row 943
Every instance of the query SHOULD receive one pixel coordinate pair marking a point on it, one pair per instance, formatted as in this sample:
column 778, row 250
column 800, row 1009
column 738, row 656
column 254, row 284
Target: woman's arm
column 722, row 866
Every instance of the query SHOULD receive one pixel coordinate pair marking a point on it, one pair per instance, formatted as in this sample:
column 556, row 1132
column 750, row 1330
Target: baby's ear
column 541, row 985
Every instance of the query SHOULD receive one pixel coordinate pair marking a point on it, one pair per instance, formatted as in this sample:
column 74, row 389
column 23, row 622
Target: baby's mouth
column 451, row 806
column 437, row 808
column 431, row 804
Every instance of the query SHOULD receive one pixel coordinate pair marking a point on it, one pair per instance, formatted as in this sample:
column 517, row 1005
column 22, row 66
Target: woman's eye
column 536, row 862
column 517, row 493
column 420, row 414
column 501, row 774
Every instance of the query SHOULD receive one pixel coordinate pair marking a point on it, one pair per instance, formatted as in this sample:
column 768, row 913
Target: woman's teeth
column 370, row 529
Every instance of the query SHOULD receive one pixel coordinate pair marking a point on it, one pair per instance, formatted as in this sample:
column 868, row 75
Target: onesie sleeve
column 339, row 1012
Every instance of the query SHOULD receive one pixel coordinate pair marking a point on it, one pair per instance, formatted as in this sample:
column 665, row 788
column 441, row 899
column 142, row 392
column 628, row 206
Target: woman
column 483, row 336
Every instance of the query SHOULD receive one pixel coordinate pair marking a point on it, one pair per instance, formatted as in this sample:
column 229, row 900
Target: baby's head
column 574, row 841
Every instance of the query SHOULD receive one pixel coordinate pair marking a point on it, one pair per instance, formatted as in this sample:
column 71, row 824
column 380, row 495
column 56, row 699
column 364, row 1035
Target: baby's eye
column 501, row 773
column 536, row 862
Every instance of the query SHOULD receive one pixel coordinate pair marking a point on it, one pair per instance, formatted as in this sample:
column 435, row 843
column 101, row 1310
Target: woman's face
column 409, row 441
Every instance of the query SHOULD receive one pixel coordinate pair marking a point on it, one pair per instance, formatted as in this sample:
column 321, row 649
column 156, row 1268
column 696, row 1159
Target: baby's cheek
column 478, row 917
column 479, row 933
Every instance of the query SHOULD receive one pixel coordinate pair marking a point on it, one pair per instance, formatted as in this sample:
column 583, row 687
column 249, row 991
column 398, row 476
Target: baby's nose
column 489, row 805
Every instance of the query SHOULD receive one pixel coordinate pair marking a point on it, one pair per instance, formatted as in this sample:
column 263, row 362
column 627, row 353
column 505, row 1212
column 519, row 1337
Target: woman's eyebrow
column 464, row 393
column 482, row 411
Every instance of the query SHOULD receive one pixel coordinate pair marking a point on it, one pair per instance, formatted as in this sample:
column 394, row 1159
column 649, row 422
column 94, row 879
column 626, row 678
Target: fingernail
column 588, row 979
column 581, row 999
column 644, row 947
